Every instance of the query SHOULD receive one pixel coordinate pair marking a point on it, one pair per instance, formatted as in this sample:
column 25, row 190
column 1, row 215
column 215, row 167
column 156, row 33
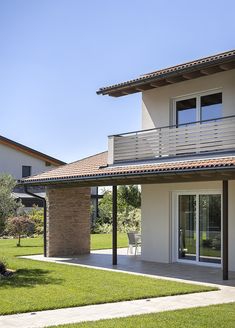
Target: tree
column 128, row 206
column 19, row 225
column 130, row 195
column 8, row 204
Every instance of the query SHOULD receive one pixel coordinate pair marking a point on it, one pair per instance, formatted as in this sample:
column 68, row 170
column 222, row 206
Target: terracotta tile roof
column 176, row 70
column 95, row 167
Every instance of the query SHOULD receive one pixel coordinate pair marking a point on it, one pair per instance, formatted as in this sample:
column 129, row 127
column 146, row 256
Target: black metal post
column 114, row 225
column 45, row 218
column 225, row 229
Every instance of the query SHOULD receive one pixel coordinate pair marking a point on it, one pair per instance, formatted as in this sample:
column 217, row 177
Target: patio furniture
column 134, row 240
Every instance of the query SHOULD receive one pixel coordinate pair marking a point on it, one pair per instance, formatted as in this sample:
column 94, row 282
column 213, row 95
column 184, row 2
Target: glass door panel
column 187, row 227
column 210, row 228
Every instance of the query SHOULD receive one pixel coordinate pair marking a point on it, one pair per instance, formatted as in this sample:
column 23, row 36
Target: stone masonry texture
column 68, row 221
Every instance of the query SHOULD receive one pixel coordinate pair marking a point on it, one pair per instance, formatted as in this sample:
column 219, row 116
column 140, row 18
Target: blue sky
column 55, row 54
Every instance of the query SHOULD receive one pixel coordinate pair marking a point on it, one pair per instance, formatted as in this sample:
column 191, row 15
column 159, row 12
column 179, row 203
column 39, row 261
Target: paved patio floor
column 102, row 259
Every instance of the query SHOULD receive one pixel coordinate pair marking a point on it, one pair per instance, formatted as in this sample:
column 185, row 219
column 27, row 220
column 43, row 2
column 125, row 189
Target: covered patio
column 102, row 259
column 67, row 220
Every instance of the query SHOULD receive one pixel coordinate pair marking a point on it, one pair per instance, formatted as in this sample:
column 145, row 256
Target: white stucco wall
column 12, row 160
column 158, row 219
column 157, row 103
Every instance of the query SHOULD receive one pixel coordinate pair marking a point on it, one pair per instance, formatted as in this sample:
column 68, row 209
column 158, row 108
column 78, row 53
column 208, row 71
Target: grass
column 222, row 316
column 41, row 285
column 104, row 241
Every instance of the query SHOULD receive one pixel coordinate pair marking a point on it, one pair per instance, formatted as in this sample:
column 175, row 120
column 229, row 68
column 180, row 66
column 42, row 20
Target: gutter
column 123, row 175
column 45, row 216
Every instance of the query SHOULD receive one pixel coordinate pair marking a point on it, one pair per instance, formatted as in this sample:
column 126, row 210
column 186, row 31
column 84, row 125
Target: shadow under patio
column 102, row 259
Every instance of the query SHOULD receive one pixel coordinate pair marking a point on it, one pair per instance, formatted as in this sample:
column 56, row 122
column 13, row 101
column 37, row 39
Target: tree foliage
column 128, row 206
column 20, row 225
column 8, row 204
column 36, row 214
column 130, row 195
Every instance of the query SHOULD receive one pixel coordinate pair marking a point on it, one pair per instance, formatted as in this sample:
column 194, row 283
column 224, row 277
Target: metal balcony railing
column 210, row 136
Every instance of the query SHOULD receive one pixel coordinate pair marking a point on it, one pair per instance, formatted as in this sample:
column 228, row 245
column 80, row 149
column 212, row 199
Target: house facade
column 183, row 221
column 183, row 157
column 21, row 161
column 188, row 116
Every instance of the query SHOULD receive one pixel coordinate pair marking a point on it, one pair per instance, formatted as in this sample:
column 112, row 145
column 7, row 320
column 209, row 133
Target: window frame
column 30, row 170
column 198, row 96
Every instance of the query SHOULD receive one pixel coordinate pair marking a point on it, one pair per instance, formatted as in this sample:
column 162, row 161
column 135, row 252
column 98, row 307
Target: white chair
column 134, row 240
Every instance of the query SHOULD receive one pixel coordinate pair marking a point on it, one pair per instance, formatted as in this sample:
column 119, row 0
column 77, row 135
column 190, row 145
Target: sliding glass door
column 210, row 228
column 199, row 227
column 187, row 227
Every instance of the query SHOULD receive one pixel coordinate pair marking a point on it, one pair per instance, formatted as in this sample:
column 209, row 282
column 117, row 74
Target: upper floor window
column 198, row 108
column 26, row 171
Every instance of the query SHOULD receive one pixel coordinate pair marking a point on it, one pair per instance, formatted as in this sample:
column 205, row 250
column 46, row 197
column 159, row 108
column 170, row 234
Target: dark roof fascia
column 72, row 179
column 27, row 149
column 155, row 76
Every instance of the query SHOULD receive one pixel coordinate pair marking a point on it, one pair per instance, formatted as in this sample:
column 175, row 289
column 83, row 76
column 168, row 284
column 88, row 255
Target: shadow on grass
column 31, row 246
column 29, row 278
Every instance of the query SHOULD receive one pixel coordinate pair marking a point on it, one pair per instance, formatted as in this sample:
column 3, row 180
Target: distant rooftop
column 29, row 151
column 179, row 73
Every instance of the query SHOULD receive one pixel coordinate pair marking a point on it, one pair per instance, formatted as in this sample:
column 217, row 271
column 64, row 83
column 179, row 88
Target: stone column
column 68, row 221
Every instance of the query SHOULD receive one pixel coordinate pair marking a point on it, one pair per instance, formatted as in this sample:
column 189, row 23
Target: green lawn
column 40, row 285
column 103, row 241
column 222, row 316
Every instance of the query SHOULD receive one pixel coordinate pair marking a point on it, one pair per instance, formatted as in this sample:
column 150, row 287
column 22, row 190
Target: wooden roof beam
column 175, row 79
column 128, row 91
column 144, row 87
column 227, row 66
column 211, row 70
column 116, row 94
column 192, row 75
column 158, row 83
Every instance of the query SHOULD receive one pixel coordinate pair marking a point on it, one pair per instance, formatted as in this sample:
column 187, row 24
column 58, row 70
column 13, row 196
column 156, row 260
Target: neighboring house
column 21, row 161
column 183, row 158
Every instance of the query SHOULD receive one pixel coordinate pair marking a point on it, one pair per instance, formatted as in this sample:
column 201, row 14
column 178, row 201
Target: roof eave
column 134, row 86
column 125, row 176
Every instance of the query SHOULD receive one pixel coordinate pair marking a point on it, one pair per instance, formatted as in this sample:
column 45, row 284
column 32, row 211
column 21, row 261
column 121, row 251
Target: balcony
column 208, row 137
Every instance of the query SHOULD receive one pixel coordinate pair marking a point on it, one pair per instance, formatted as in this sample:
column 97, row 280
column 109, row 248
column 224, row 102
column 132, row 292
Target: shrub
column 36, row 215
column 20, row 225
column 8, row 204
column 129, row 213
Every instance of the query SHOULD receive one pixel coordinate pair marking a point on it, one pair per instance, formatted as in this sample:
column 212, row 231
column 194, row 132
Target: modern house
column 183, row 158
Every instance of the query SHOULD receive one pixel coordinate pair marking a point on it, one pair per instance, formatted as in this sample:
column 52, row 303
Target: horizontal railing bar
column 224, row 129
column 217, row 135
column 174, row 126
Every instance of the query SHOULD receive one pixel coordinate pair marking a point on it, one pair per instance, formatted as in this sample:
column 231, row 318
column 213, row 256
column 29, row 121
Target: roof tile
column 96, row 166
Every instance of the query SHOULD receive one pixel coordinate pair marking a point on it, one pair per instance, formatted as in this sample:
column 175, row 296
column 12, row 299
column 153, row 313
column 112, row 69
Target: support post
column 114, row 225
column 225, row 229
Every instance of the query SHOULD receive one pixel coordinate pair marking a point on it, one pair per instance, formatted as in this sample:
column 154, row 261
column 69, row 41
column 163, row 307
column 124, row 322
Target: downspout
column 45, row 217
